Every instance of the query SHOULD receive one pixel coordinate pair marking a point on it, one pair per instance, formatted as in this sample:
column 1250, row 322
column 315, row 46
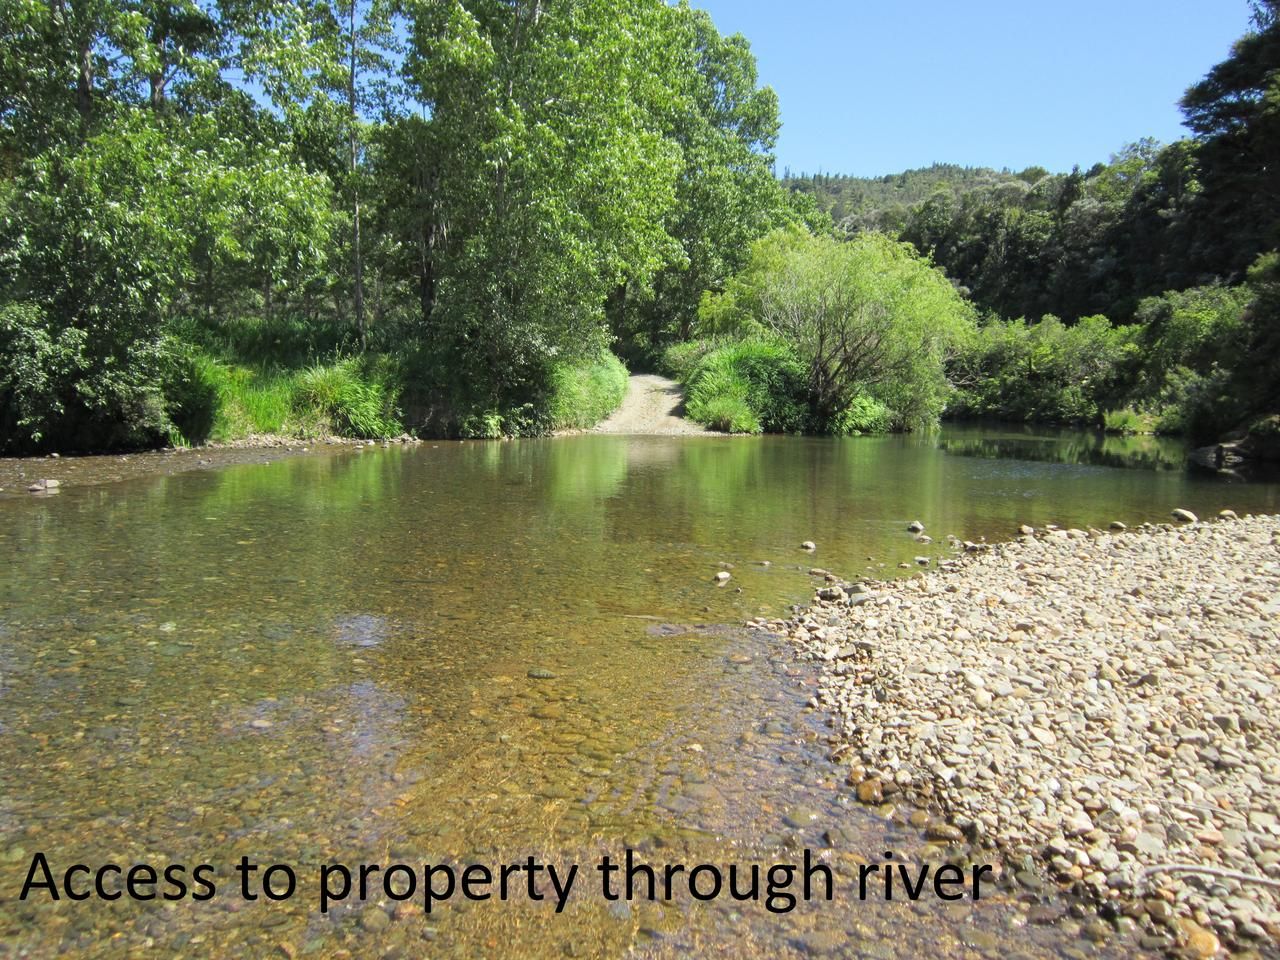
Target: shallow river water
column 475, row 653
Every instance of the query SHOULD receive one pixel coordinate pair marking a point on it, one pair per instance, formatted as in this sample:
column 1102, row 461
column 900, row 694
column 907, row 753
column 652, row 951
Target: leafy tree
column 1234, row 113
column 867, row 318
column 555, row 181
column 1043, row 371
column 725, row 126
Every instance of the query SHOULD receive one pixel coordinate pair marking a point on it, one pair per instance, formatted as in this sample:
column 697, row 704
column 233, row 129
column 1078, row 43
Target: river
column 473, row 653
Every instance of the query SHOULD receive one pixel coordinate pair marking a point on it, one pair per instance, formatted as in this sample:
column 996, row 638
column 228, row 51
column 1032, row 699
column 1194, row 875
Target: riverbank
column 49, row 474
column 1098, row 709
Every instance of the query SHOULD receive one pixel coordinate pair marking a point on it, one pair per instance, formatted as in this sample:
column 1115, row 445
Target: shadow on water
column 479, row 652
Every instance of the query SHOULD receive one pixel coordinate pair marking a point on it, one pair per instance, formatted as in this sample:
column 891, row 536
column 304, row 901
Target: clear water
column 327, row 658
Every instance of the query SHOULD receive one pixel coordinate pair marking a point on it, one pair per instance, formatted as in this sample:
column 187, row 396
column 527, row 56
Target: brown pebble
column 871, row 790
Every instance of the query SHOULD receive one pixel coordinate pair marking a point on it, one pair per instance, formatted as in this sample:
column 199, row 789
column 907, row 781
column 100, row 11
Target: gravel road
column 653, row 406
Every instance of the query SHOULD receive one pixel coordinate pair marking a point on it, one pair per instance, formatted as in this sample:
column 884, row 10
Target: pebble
column 1088, row 703
column 871, row 791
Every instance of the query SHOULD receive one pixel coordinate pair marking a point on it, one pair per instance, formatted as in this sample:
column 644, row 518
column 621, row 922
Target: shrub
column 1189, row 329
column 862, row 415
column 867, row 317
column 193, row 391
column 63, row 388
column 1045, row 371
column 718, row 400
column 1127, row 420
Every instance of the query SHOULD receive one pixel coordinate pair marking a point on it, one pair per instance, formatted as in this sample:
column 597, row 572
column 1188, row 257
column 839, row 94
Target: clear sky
column 876, row 86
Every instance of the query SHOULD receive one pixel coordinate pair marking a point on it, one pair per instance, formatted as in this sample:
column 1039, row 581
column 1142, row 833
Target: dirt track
column 653, row 406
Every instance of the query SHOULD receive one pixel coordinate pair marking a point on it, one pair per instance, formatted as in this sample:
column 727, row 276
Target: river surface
column 474, row 653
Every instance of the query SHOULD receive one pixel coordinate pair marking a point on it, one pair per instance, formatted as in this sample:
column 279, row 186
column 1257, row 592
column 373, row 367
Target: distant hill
column 883, row 203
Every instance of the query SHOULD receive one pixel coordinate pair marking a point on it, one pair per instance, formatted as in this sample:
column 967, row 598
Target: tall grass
column 1127, row 421
column 210, row 400
column 342, row 399
column 744, row 386
column 584, row 394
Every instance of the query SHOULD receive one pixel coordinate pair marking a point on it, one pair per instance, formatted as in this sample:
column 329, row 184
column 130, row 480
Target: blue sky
column 873, row 86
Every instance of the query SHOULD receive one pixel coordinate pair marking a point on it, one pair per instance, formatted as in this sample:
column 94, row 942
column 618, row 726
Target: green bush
column 868, row 317
column 1127, row 421
column 862, row 415
column 63, row 388
column 1192, row 329
column 777, row 384
column 717, row 397
column 748, row 386
column 193, row 391
column 1046, row 371
column 584, row 394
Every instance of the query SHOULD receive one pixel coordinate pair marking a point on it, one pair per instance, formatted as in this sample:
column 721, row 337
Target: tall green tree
column 555, row 180
column 1234, row 113
column 868, row 317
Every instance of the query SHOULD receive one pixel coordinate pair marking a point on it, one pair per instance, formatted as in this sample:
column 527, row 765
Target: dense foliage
column 223, row 217
column 360, row 215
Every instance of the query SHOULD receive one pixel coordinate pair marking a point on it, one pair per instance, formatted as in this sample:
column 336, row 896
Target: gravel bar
column 1101, row 709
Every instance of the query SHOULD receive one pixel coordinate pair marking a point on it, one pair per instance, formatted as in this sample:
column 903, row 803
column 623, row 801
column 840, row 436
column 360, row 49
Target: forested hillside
column 885, row 203
column 358, row 215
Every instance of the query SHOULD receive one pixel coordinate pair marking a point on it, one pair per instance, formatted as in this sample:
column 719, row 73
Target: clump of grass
column 748, row 386
column 1127, row 420
column 209, row 399
column 863, row 415
column 339, row 398
column 718, row 398
column 584, row 394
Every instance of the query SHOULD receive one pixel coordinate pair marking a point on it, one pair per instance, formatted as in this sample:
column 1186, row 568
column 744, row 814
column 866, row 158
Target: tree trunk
column 84, row 86
column 356, row 255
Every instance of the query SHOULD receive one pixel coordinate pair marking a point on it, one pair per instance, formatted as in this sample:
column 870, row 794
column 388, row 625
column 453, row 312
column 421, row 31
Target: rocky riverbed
column 1095, row 710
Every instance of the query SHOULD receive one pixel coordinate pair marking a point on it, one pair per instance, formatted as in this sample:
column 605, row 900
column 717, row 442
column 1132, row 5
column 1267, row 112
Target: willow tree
column 869, row 317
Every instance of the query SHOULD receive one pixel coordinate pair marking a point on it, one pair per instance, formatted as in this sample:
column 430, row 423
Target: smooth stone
column 871, row 791
column 800, row 818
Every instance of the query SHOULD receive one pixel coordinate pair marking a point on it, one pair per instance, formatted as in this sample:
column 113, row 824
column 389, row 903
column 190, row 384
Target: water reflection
column 1048, row 445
